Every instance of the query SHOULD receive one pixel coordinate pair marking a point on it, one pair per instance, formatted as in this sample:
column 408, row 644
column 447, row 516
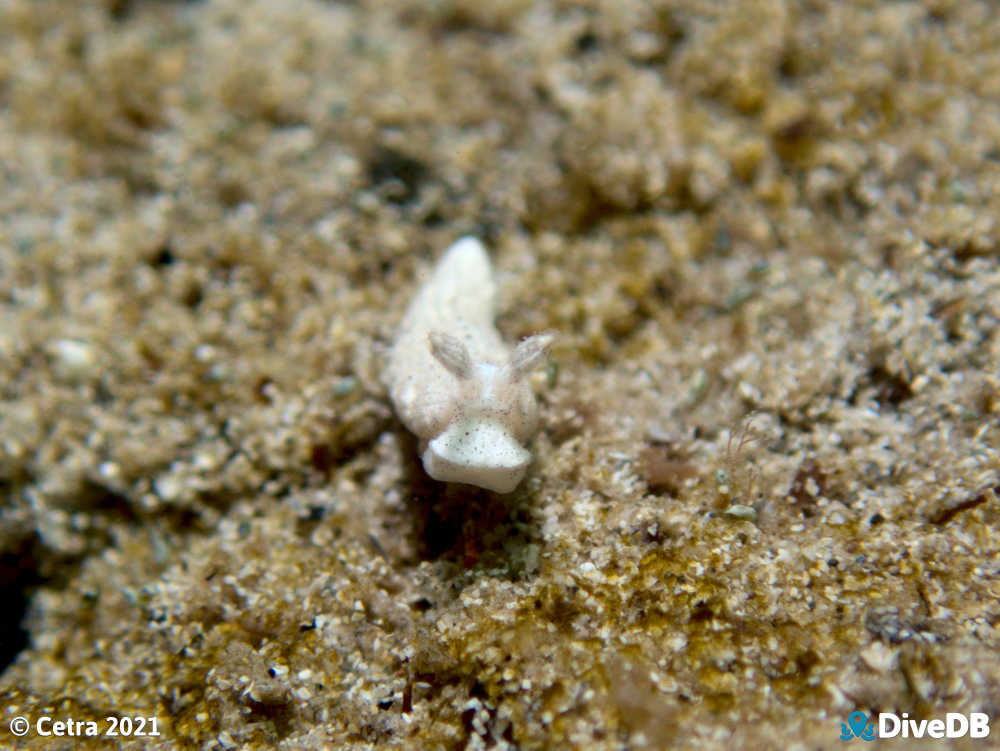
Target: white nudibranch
column 455, row 384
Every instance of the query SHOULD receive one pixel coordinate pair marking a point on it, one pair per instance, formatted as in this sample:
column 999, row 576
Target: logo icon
column 857, row 726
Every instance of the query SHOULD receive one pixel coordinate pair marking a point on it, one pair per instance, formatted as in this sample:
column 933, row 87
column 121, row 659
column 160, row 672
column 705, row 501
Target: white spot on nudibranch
column 455, row 384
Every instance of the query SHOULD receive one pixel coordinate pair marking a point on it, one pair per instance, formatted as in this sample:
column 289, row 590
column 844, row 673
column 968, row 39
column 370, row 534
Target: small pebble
column 74, row 360
column 741, row 511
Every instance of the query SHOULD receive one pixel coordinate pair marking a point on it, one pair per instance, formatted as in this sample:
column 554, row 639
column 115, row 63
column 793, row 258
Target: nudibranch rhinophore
column 454, row 383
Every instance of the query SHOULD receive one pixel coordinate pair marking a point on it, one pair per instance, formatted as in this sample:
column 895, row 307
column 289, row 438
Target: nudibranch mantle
column 454, row 383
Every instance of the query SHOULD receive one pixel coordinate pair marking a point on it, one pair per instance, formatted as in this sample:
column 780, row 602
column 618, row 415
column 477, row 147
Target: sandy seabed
column 765, row 488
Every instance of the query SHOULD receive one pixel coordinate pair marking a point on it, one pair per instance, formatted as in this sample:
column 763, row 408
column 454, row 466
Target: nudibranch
column 454, row 383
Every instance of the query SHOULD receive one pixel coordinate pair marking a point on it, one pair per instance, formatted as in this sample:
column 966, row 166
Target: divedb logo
column 954, row 725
